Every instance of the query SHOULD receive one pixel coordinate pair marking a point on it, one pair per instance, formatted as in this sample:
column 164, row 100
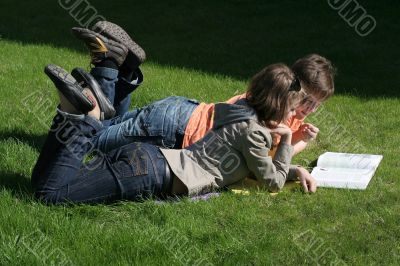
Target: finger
column 310, row 125
column 310, row 134
column 313, row 134
column 304, row 184
column 314, row 129
column 313, row 186
column 281, row 125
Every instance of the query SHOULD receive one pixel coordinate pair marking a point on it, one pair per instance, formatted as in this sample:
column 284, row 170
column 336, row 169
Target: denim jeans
column 161, row 123
column 117, row 89
column 131, row 172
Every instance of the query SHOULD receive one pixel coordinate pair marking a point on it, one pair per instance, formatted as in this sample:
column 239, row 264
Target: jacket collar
column 225, row 113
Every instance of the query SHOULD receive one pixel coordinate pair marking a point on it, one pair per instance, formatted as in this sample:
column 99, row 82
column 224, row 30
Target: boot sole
column 69, row 87
column 87, row 80
column 116, row 33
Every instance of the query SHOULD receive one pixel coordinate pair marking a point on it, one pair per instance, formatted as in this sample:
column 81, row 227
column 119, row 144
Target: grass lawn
column 207, row 50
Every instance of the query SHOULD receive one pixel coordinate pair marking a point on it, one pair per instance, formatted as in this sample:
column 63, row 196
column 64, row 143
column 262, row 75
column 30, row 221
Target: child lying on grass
column 236, row 147
column 177, row 122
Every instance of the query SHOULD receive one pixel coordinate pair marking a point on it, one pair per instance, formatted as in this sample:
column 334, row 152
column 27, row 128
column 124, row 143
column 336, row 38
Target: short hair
column 316, row 74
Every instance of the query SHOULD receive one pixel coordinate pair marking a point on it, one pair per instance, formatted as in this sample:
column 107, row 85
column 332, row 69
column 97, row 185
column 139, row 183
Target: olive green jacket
column 236, row 147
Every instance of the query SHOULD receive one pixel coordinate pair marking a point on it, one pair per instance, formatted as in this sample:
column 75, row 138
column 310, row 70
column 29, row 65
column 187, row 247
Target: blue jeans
column 117, row 89
column 161, row 123
column 133, row 172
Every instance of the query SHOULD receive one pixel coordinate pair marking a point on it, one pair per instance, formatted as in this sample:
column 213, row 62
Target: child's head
column 274, row 93
column 316, row 74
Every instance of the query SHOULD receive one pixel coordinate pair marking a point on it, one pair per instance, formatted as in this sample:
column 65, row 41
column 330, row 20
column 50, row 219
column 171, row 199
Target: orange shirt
column 294, row 123
column 201, row 121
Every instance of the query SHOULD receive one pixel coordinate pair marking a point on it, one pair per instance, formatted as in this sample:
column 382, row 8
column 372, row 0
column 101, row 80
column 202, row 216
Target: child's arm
column 308, row 182
column 296, row 172
column 302, row 136
column 299, row 146
column 256, row 145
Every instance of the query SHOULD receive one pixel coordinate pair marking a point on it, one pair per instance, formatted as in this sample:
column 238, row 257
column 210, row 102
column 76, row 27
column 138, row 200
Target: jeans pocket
column 132, row 162
column 153, row 120
column 140, row 163
column 160, row 122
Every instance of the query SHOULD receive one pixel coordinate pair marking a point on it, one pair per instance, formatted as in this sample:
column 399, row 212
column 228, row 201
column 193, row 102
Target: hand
column 282, row 130
column 309, row 132
column 308, row 182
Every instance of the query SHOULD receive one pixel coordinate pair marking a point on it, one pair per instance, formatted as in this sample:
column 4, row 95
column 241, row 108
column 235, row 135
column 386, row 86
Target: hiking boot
column 101, row 47
column 69, row 87
column 136, row 54
column 72, row 87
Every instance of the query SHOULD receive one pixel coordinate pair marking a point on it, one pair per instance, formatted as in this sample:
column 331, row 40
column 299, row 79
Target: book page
column 349, row 160
column 342, row 177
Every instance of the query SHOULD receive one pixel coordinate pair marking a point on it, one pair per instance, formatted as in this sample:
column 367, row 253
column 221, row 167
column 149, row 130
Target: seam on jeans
column 178, row 119
column 150, row 115
column 174, row 125
column 119, row 186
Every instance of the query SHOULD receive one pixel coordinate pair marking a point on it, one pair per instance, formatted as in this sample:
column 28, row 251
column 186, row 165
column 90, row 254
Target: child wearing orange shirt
column 177, row 122
column 316, row 78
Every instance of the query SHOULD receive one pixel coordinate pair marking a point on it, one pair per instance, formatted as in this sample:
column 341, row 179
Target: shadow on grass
column 234, row 38
column 34, row 141
column 18, row 185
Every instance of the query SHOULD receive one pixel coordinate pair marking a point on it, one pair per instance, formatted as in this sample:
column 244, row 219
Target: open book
column 345, row 170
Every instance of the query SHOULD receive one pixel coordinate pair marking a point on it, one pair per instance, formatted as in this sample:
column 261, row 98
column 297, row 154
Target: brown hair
column 316, row 74
column 272, row 93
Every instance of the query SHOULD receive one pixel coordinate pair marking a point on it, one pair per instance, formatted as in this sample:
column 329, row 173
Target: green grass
column 207, row 50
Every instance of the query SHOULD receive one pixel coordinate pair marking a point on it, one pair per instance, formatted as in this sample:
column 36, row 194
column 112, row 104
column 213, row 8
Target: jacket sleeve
column 292, row 173
column 256, row 144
